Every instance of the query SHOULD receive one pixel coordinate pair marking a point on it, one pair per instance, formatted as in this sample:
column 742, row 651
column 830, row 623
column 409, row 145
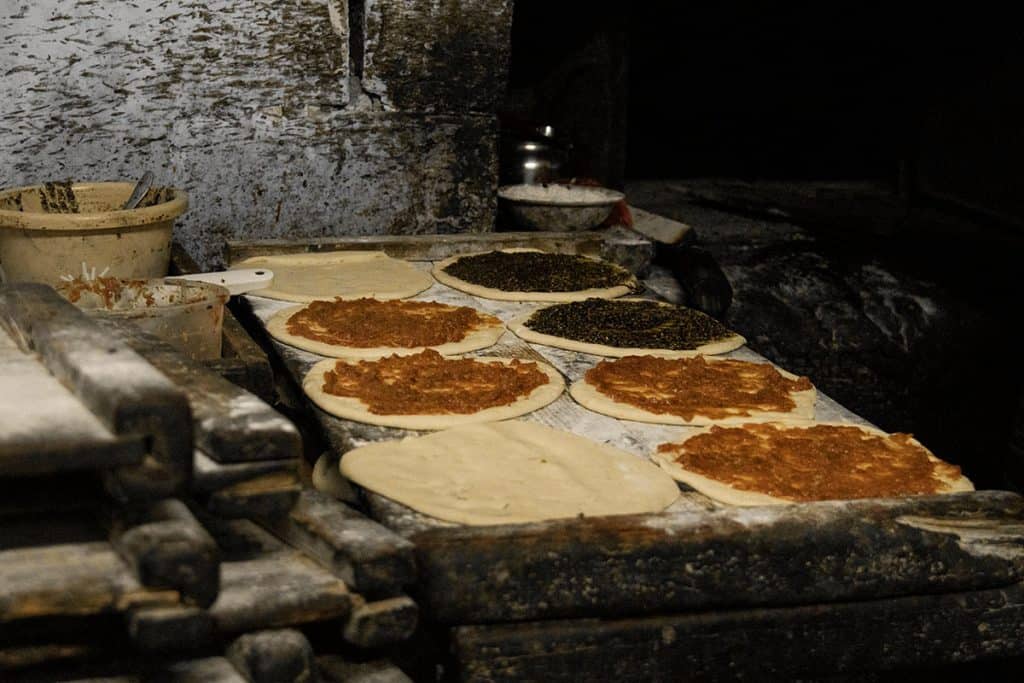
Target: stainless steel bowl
column 559, row 208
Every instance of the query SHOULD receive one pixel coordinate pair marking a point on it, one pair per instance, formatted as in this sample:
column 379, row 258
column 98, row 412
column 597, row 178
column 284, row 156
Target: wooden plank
column 32, row 441
column 241, row 539
column 202, row 670
column 266, row 584
column 381, row 622
column 170, row 629
column 126, row 394
column 735, row 557
column 210, row 476
column 231, row 425
column 73, row 579
column 277, row 590
column 760, row 644
column 22, row 657
column 267, row 495
column 337, row 669
column 618, row 245
column 206, row 670
column 366, row 555
column 660, row 228
column 167, row 547
column 273, row 656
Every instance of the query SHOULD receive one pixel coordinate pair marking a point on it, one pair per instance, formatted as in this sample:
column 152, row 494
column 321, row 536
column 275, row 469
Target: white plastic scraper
column 236, row 281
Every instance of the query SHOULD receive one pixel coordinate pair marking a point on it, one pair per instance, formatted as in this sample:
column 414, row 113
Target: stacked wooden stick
column 152, row 523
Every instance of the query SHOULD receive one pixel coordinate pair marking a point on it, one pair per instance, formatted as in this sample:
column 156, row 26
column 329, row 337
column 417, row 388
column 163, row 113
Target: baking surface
column 637, row 438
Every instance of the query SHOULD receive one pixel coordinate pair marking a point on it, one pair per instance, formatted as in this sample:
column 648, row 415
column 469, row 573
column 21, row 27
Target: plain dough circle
column 502, row 295
column 478, row 338
column 725, row 493
column 518, row 326
column 345, row 274
column 590, row 398
column 509, row 472
column 351, row 408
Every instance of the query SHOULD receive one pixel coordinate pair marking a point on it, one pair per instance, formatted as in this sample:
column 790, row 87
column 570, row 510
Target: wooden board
column 803, row 643
column 265, row 584
column 167, row 547
column 733, row 557
column 659, row 228
column 126, row 394
column 72, row 579
column 696, row 555
column 273, row 656
column 336, row 669
column 271, row 494
column 230, row 424
column 210, row 476
column 367, row 556
column 33, row 440
column 381, row 622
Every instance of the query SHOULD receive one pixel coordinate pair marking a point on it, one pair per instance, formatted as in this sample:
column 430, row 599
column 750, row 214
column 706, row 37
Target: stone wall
column 279, row 117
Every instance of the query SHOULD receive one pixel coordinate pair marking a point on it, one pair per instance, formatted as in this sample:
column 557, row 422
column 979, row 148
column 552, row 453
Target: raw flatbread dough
column 589, row 397
column 502, row 295
column 518, row 327
column 478, row 338
column 344, row 274
column 351, row 408
column 509, row 472
column 725, row 493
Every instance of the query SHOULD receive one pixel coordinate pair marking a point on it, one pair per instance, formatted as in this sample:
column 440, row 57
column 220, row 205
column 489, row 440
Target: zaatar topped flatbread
column 694, row 391
column 530, row 275
column 368, row 328
column 626, row 327
column 776, row 463
column 429, row 391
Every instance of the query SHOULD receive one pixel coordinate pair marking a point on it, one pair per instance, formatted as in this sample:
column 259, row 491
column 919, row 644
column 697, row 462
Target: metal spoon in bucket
column 235, row 281
column 141, row 188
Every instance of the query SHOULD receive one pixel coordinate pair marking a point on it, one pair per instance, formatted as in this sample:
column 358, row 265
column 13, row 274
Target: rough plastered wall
column 281, row 118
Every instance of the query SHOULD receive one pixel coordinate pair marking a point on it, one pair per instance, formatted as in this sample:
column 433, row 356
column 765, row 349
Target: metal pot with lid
column 531, row 154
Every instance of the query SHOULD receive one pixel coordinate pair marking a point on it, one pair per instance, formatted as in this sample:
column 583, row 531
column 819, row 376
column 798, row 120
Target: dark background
column 890, row 139
column 819, row 91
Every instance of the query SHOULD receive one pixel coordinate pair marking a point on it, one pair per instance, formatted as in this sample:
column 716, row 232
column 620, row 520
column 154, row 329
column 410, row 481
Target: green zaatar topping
column 534, row 271
column 629, row 324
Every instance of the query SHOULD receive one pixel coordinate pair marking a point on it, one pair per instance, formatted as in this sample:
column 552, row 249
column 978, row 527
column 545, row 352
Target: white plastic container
column 187, row 315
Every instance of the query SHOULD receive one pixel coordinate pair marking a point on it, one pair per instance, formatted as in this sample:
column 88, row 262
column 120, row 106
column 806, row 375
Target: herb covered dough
column 531, row 275
column 626, row 327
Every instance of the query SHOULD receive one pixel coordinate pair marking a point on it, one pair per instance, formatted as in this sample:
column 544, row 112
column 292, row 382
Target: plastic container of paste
column 58, row 230
column 187, row 315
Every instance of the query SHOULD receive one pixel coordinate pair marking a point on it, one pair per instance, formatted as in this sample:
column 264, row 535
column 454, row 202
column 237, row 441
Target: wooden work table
column 702, row 590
